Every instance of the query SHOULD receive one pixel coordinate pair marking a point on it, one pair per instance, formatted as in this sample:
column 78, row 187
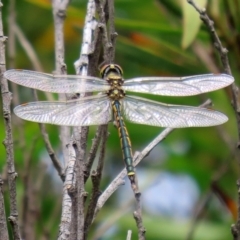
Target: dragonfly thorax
column 112, row 73
column 116, row 93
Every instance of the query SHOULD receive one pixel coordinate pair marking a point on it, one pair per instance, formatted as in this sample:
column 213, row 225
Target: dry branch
column 8, row 141
column 222, row 51
column 3, row 222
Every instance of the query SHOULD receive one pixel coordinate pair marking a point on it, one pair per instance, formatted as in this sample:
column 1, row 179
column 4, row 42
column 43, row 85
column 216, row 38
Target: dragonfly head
column 111, row 69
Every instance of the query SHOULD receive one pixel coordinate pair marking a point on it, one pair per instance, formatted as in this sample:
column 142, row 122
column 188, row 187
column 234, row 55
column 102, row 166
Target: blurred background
column 188, row 181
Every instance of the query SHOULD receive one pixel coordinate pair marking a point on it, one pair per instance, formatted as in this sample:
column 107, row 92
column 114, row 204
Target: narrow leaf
column 191, row 22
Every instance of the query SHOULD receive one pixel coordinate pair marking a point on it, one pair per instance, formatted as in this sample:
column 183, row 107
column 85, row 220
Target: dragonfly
column 113, row 103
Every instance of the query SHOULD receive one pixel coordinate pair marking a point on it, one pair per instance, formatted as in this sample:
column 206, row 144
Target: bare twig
column 11, row 42
column 28, row 217
column 3, row 222
column 112, row 33
column 8, row 141
column 59, row 14
column 82, row 64
column 80, row 149
column 119, row 180
column 49, row 147
column 83, row 67
column 96, row 180
column 107, row 46
column 224, row 59
column 138, row 212
column 138, row 218
column 37, row 65
column 52, row 153
column 92, row 152
column 80, row 134
column 129, row 235
column 236, row 227
column 28, row 48
column 29, row 206
column 69, row 184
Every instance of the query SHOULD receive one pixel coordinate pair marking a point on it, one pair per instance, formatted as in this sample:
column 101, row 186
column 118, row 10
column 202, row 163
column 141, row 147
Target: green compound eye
column 110, row 67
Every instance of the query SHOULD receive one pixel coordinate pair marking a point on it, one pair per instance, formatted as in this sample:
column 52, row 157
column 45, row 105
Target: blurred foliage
column 161, row 37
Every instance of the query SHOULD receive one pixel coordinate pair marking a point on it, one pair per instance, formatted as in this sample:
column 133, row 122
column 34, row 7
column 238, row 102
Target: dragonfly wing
column 56, row 83
column 143, row 111
column 178, row 86
column 81, row 112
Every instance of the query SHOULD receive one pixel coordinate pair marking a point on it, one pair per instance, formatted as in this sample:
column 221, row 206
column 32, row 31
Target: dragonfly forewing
column 56, row 83
column 178, row 86
column 81, row 112
column 143, row 111
column 98, row 109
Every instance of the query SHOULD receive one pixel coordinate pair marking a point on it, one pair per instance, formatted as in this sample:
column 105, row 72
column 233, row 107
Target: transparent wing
column 143, row 111
column 56, row 83
column 81, row 112
column 178, row 86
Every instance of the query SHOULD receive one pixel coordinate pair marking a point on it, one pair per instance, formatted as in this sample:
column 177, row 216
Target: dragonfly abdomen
column 124, row 137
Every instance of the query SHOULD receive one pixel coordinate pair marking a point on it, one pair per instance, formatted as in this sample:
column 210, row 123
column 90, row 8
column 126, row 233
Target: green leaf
column 191, row 22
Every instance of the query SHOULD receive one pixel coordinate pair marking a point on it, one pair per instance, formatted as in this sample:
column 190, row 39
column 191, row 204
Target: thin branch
column 3, row 222
column 138, row 218
column 96, row 180
column 137, row 214
column 129, row 235
column 49, row 148
column 224, row 59
column 8, row 141
column 92, row 153
column 112, row 33
column 28, row 48
column 37, row 65
column 82, row 64
column 107, row 46
column 56, row 162
column 80, row 148
column 77, row 192
column 235, row 228
column 69, row 184
column 81, row 133
column 234, row 89
column 29, row 216
column 119, row 180
column 59, row 14
column 11, row 35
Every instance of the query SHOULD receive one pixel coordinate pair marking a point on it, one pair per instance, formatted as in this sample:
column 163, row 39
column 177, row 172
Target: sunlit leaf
column 191, row 22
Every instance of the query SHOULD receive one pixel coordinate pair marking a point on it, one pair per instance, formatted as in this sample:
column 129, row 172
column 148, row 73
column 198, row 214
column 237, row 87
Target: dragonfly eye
column 107, row 69
column 118, row 69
